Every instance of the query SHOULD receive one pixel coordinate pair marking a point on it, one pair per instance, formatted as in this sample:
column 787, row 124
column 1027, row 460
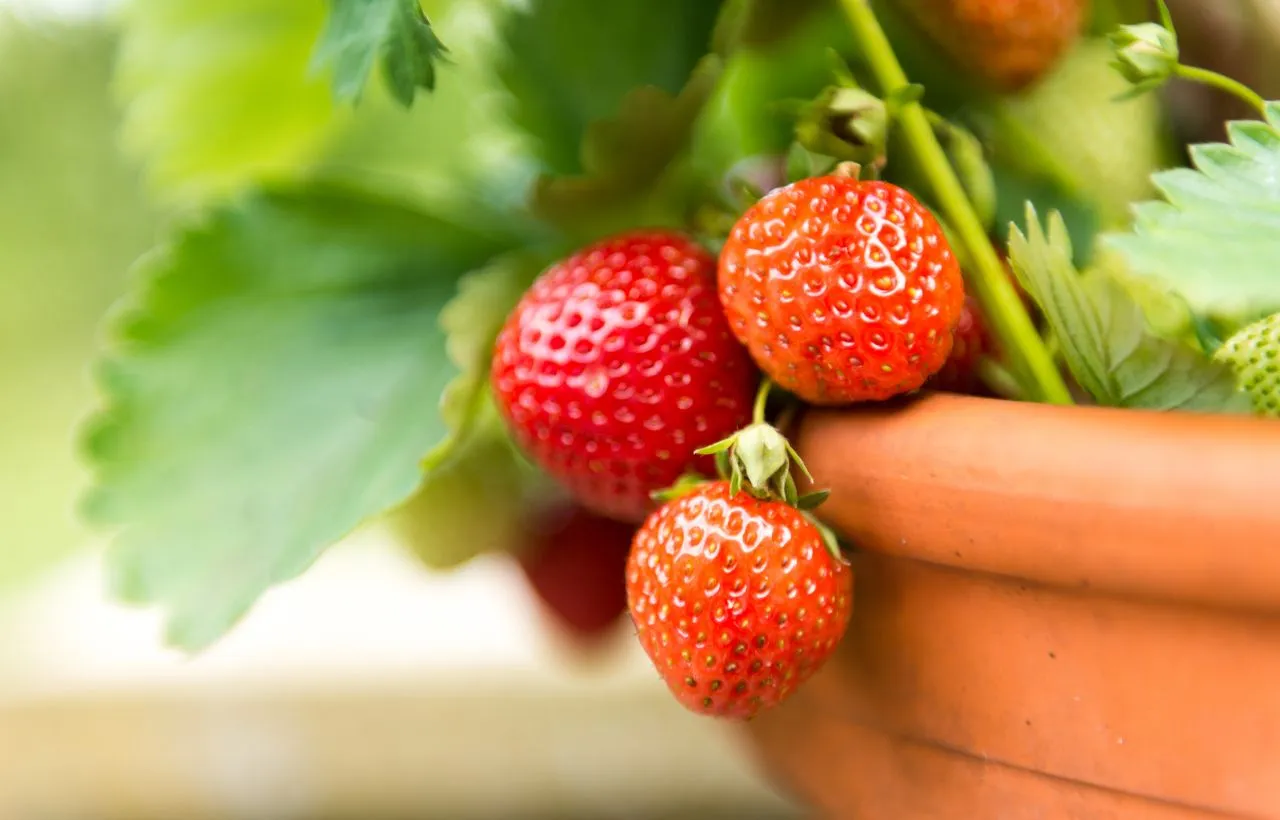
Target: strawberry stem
column 1213, row 79
column 1009, row 320
column 762, row 399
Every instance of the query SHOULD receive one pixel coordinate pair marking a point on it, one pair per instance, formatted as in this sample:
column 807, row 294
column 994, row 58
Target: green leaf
column 471, row 322
column 1216, row 236
column 624, row 156
column 360, row 32
column 217, row 92
column 1254, row 354
column 273, row 384
column 476, row 503
column 72, row 217
column 219, row 96
column 1104, row 336
column 754, row 24
column 1102, row 154
column 569, row 63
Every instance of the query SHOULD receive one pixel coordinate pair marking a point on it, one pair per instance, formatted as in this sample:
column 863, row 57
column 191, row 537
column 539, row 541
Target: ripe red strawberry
column 575, row 562
column 1005, row 44
column 972, row 342
column 843, row 290
column 737, row 601
column 617, row 364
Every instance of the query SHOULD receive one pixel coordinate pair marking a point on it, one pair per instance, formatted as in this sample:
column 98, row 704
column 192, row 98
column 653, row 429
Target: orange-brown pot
column 1059, row 613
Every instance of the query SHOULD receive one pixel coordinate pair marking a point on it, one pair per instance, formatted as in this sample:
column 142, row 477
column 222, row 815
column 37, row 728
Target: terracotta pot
column 1060, row 613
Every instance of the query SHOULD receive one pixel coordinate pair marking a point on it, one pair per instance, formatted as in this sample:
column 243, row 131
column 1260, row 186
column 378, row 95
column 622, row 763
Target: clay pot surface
column 1059, row 613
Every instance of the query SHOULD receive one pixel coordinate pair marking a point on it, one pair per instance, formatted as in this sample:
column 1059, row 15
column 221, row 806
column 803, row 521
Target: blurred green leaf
column 72, row 216
column 471, row 321
column 569, row 63
column 1068, row 132
column 625, row 156
column 760, row 23
column 218, row 92
column 746, row 115
column 1216, row 236
column 1104, row 336
column 475, row 503
column 205, row 118
column 274, row 383
column 359, row 32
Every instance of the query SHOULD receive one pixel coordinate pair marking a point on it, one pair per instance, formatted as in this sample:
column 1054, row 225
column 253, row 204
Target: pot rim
column 1176, row 506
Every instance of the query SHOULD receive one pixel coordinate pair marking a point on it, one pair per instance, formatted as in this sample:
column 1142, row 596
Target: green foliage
column 1216, row 236
column 314, row 356
column 625, row 156
column 569, row 63
column 1254, row 354
column 471, row 321
column 218, row 92
column 1104, row 337
column 270, row 387
column 62, row 257
column 360, row 32
column 476, row 503
column 1070, row 132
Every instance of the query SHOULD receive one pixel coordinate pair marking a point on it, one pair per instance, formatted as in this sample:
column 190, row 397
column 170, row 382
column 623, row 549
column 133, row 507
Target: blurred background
column 348, row 692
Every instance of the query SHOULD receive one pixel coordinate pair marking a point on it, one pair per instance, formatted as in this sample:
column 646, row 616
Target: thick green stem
column 1010, row 323
column 762, row 399
column 1223, row 83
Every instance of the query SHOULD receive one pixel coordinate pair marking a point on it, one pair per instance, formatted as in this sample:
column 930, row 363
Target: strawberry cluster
column 636, row 373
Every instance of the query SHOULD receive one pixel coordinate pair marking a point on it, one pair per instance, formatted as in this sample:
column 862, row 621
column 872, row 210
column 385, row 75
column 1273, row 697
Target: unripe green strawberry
column 1254, row 353
column 1005, row 44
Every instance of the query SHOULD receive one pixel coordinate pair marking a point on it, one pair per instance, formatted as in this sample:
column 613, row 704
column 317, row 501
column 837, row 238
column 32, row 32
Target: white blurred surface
column 369, row 687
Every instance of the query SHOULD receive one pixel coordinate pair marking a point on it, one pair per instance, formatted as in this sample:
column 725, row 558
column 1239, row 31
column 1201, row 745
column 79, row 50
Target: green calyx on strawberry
column 737, row 594
column 847, row 123
column 758, row 460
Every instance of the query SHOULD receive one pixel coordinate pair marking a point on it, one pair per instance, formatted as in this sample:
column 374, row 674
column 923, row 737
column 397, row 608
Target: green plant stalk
column 1224, row 83
column 1010, row 323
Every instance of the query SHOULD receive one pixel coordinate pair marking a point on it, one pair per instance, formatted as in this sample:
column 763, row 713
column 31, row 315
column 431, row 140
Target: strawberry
column 1005, row 44
column 575, row 562
column 843, row 290
column 616, row 364
column 736, row 599
column 972, row 342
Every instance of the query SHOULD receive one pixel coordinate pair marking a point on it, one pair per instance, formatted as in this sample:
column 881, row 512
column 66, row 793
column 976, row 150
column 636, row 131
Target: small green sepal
column 829, row 538
column 683, row 485
column 1146, row 54
column 813, row 500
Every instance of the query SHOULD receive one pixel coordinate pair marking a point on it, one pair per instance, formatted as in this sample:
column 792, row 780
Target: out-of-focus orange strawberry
column 1005, row 44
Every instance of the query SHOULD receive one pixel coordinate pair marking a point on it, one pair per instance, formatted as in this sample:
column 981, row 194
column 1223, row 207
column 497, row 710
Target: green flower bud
column 1145, row 54
column 847, row 124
